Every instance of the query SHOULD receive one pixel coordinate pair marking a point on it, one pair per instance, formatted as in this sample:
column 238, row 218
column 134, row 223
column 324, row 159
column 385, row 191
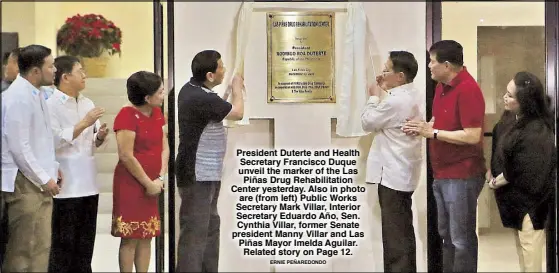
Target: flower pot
column 95, row 67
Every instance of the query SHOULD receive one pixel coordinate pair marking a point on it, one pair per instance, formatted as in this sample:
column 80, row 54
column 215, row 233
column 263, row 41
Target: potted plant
column 88, row 37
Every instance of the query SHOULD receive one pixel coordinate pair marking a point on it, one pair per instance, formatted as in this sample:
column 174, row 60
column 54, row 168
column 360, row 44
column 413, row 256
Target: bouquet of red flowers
column 89, row 36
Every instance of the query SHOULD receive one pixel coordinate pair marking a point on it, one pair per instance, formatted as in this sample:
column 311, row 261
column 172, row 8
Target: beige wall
column 19, row 17
column 37, row 22
column 460, row 21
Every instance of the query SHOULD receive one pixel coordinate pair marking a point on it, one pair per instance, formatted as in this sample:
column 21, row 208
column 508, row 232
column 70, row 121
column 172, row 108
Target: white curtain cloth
column 242, row 31
column 357, row 71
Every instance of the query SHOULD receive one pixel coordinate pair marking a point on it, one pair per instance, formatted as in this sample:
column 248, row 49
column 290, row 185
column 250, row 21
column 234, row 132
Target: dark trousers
column 456, row 215
column 398, row 236
column 3, row 228
column 74, row 223
column 198, row 249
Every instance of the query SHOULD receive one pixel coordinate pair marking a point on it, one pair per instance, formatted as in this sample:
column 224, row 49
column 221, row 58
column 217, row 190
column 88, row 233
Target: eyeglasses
column 385, row 72
column 79, row 72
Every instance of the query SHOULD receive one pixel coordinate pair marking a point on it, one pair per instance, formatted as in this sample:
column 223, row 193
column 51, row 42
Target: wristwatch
column 435, row 132
column 162, row 178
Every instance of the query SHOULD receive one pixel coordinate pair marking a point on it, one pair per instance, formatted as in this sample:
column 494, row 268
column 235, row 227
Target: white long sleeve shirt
column 394, row 159
column 27, row 140
column 76, row 156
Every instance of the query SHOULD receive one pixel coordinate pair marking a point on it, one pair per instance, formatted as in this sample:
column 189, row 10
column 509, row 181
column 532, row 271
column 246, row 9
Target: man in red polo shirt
column 456, row 154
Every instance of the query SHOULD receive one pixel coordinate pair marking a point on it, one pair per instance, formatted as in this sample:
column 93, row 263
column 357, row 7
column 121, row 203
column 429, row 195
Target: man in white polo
column 29, row 169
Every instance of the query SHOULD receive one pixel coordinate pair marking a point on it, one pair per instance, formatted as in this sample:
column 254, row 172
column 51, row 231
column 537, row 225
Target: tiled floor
column 497, row 253
column 105, row 255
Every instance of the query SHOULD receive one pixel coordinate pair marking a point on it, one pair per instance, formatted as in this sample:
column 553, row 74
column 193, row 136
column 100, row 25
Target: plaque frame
column 331, row 96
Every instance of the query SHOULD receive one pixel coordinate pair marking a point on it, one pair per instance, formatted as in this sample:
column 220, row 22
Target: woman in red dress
column 138, row 179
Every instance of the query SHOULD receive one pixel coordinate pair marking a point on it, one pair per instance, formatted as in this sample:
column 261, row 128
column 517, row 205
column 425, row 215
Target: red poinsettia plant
column 89, row 36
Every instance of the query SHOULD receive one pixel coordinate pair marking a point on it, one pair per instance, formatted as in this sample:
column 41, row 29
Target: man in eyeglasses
column 394, row 161
column 78, row 133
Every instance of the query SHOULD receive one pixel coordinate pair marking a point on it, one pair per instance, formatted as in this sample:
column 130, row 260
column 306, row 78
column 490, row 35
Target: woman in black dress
column 523, row 166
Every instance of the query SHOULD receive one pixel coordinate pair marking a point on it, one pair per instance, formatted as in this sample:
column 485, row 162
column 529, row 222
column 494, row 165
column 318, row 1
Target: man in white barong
column 77, row 133
column 394, row 161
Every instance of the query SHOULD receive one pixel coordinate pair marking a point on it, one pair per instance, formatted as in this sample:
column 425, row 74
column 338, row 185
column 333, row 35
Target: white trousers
column 530, row 244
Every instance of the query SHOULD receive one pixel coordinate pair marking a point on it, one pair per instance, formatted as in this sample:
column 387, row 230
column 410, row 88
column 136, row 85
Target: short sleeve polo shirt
column 456, row 106
column 202, row 136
